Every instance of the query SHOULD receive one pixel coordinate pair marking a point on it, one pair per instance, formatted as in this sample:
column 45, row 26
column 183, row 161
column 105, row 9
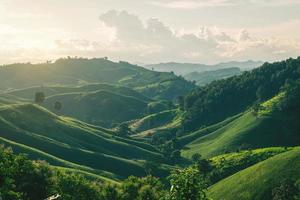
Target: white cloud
column 153, row 41
column 196, row 4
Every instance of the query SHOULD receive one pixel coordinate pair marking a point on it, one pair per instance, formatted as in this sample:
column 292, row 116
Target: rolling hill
column 37, row 130
column 79, row 71
column 100, row 107
column 221, row 99
column 269, row 127
column 257, row 181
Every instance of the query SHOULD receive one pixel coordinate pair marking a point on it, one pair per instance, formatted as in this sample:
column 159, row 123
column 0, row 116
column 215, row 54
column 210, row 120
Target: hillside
column 78, row 71
column 269, row 127
column 258, row 181
column 101, row 107
column 28, row 93
column 154, row 120
column 203, row 78
column 221, row 99
column 73, row 141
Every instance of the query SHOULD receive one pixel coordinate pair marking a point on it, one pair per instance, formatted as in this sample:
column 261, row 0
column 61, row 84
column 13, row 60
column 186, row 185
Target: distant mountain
column 185, row 68
column 203, row 78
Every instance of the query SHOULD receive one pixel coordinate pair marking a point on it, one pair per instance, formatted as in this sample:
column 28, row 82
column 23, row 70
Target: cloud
column 121, row 35
column 153, row 41
column 196, row 4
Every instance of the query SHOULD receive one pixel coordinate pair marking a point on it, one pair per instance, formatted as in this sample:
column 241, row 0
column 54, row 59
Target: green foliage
column 258, row 181
column 148, row 188
column 286, row 191
column 123, row 130
column 187, row 184
column 22, row 179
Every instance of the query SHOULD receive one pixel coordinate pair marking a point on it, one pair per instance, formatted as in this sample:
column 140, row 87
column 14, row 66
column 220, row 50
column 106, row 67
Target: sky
column 149, row 31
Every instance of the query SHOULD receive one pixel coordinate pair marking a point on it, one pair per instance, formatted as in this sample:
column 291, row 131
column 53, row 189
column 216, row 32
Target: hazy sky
column 149, row 31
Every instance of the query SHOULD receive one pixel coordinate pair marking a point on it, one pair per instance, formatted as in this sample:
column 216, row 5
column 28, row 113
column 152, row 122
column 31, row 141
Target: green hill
column 79, row 71
column 100, row 107
column 221, row 99
column 269, row 127
column 257, row 182
column 154, row 120
column 74, row 141
column 28, row 93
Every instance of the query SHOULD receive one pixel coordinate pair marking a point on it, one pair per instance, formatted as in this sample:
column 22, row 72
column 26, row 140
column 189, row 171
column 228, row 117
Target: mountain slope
column 185, row 68
column 100, row 107
column 78, row 71
column 225, row 98
column 203, row 78
column 28, row 93
column 257, row 182
column 74, row 141
column 269, row 127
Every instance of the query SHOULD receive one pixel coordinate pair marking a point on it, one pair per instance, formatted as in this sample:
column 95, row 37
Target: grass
column 99, row 107
column 75, row 142
column 154, row 120
column 257, row 181
column 247, row 131
column 227, row 164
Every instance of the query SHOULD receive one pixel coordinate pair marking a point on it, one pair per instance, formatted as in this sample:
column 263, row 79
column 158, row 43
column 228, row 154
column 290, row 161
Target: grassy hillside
column 73, row 141
column 100, row 107
column 78, row 71
column 257, row 182
column 154, row 120
column 28, row 93
column 269, row 127
column 168, row 89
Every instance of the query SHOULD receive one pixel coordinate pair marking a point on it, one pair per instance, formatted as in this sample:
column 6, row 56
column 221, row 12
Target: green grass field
column 267, row 129
column 73, row 141
column 257, row 181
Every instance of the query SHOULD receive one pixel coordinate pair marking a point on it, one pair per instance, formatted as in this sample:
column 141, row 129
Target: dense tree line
column 221, row 99
column 22, row 179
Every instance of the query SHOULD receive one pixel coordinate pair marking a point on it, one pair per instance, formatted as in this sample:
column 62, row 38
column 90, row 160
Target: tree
column 187, row 184
column 39, row 97
column 123, row 130
column 57, row 105
column 286, row 191
column 110, row 192
column 196, row 158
